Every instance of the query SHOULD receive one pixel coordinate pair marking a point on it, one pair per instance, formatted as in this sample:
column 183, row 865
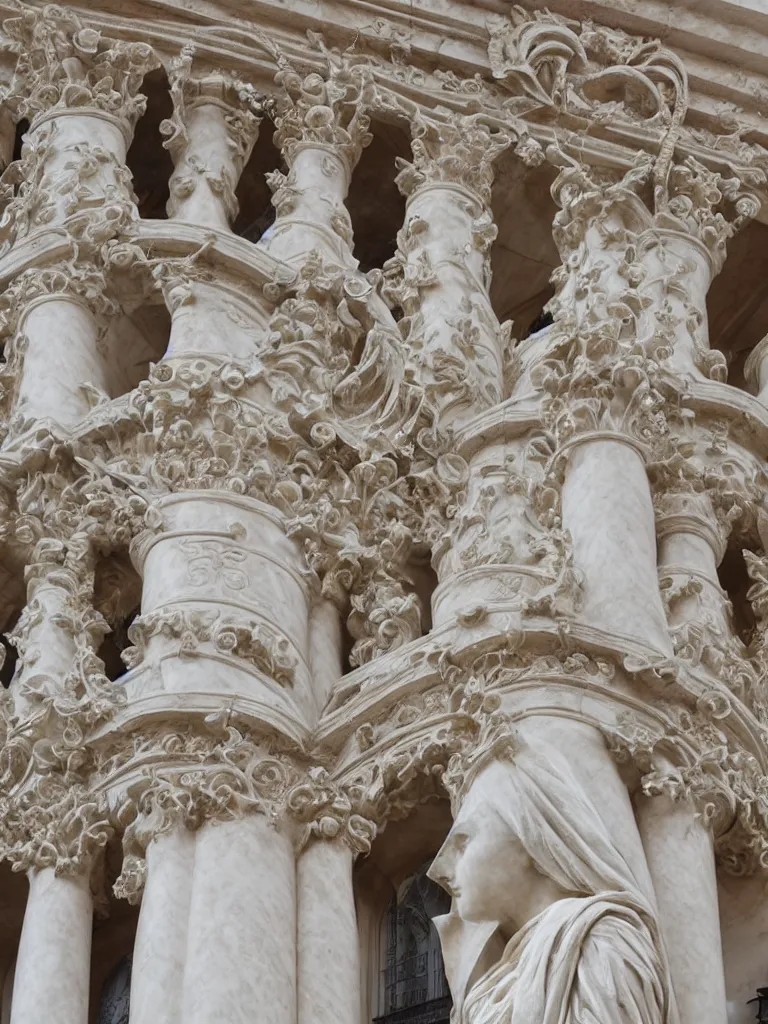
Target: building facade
column 383, row 523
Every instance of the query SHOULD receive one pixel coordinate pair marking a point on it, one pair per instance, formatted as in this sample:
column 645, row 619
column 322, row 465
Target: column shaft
column 193, row 198
column 325, row 650
column 61, row 339
column 328, row 944
column 161, row 939
column 241, row 951
column 682, row 865
column 53, row 967
column 607, row 510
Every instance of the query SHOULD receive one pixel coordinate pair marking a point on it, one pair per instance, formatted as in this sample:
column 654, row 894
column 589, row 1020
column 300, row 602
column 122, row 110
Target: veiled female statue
column 548, row 924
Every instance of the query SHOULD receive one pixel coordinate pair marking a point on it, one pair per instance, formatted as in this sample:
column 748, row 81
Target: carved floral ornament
column 437, row 742
column 342, row 425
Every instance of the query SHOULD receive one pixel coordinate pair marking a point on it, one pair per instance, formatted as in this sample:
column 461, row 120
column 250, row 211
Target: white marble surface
column 682, row 865
column 328, row 946
column 160, row 948
column 241, row 948
column 744, row 927
column 53, row 963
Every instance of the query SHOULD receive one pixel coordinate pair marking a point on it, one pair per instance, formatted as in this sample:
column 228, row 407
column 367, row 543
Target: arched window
column 412, row 984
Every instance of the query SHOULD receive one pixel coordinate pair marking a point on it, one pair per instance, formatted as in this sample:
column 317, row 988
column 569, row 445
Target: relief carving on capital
column 580, row 68
column 184, row 779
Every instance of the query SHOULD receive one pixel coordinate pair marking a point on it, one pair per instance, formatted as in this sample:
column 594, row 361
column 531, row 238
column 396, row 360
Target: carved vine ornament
column 346, row 409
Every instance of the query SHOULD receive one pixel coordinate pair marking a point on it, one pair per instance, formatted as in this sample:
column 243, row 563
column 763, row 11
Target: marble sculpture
column 383, row 498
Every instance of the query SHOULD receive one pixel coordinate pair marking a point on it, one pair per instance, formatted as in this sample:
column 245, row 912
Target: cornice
column 724, row 43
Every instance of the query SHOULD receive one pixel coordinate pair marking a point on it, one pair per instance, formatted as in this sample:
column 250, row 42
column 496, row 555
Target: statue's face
column 481, row 864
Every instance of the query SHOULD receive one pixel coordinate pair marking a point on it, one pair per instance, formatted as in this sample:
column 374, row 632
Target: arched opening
column 524, row 254
column 403, row 979
column 424, row 580
column 376, row 207
column 737, row 303
column 254, row 196
column 147, row 159
column 115, row 996
column 412, row 982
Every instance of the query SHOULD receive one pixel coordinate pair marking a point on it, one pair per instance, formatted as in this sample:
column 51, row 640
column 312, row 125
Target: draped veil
column 591, row 958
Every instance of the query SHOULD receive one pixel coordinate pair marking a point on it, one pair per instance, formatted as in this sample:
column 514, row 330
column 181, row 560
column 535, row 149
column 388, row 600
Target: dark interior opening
column 376, row 207
column 735, row 581
column 254, row 195
column 117, row 595
column 737, row 301
column 147, row 159
column 8, row 669
column 22, row 128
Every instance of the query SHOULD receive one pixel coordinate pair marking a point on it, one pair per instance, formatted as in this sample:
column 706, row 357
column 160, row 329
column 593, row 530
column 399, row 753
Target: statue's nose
column 440, row 872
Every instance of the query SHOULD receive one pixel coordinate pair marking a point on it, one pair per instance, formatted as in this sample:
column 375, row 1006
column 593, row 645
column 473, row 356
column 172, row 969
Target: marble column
column 58, row 314
column 443, row 249
column 691, row 546
column 82, row 103
column 53, row 966
column 211, row 134
column 224, row 569
column 599, row 413
column 328, row 941
column 682, row 865
column 681, row 256
column 160, row 948
column 325, row 649
column 59, row 583
column 606, row 484
column 241, row 945
column 322, row 128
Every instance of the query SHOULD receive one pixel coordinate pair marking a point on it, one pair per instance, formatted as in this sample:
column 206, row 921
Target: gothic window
column 412, row 986
column 116, row 994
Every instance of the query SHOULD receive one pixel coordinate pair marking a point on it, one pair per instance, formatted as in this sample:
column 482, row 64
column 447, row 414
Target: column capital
column 328, row 812
column 691, row 511
column 455, row 152
column 691, row 759
column 78, row 280
column 188, row 778
column 326, row 111
column 54, row 821
column 64, row 67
